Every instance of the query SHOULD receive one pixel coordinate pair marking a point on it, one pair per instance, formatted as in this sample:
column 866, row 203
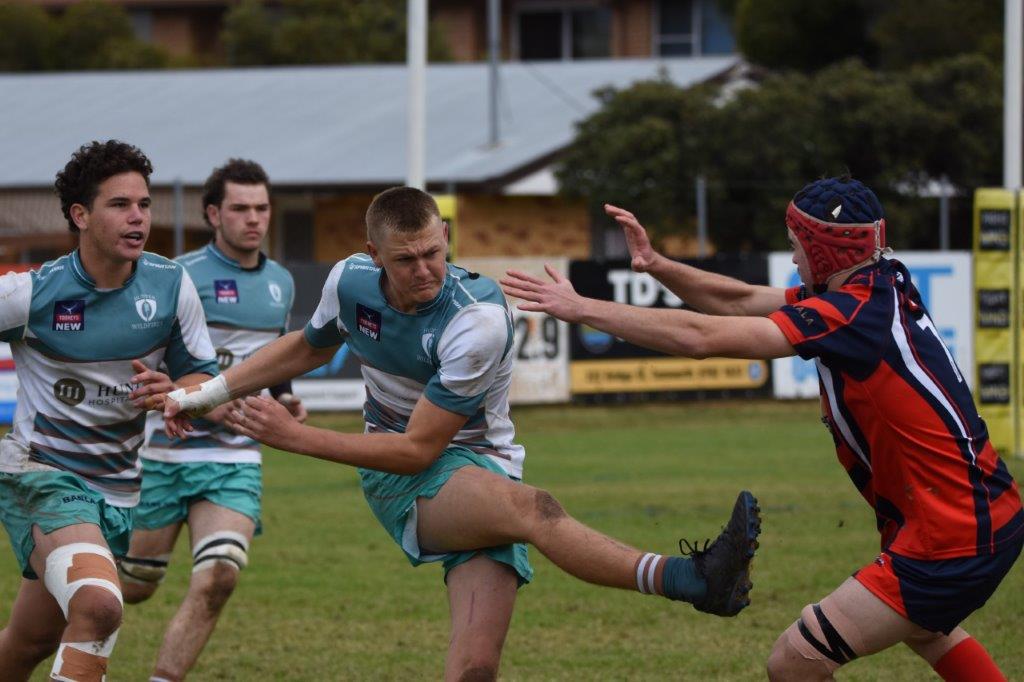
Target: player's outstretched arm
column 430, row 430
column 286, row 358
column 707, row 291
column 677, row 332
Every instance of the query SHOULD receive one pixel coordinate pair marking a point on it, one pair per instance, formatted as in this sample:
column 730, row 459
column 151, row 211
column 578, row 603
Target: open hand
column 556, row 298
column 294, row 405
column 154, row 386
column 640, row 250
column 267, row 421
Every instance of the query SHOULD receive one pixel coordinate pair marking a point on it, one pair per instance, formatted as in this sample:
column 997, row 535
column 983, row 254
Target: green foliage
column 891, row 34
column 93, row 34
column 757, row 147
column 27, row 37
column 321, row 32
column 801, row 34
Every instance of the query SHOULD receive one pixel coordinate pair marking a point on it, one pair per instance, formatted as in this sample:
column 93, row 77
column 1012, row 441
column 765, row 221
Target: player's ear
column 374, row 253
column 213, row 215
column 444, row 227
column 80, row 216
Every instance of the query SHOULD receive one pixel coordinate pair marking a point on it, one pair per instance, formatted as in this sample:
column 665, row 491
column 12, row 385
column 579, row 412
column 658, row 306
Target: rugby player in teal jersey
column 86, row 330
column 438, row 462
column 212, row 480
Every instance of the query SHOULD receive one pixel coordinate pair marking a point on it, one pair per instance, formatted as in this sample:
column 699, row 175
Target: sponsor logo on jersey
column 427, row 342
column 69, row 391
column 145, row 306
column 368, row 321
column 225, row 290
column 275, row 291
column 112, row 394
column 69, row 316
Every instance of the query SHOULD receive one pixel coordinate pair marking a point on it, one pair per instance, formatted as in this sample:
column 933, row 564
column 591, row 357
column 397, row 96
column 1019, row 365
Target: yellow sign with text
column 634, row 375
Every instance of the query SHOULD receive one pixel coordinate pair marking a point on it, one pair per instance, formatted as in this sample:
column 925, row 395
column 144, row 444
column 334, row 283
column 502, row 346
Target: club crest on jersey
column 275, row 291
column 145, row 306
column 225, row 290
column 69, row 316
column 368, row 321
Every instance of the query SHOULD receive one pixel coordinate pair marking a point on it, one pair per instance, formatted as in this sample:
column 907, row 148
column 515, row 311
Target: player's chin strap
column 198, row 400
column 68, row 569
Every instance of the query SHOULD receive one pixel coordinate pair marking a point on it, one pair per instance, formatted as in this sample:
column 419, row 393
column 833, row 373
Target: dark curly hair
column 238, row 171
column 403, row 209
column 79, row 181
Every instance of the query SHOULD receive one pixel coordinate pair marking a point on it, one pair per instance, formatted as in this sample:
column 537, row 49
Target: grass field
column 328, row 596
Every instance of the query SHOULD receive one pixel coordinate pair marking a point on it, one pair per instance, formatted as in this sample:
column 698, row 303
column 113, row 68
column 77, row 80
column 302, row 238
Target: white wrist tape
column 198, row 401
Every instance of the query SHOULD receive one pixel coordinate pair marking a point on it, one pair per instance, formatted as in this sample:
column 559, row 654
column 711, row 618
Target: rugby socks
column 672, row 577
column 968, row 662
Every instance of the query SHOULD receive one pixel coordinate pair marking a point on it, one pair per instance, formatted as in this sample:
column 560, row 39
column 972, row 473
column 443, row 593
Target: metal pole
column 494, row 49
column 944, row 213
column 179, row 217
column 416, row 63
column 1012, row 82
column 702, row 217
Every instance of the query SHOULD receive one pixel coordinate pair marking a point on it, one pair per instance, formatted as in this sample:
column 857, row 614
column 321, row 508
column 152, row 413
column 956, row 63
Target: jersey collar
column 78, row 270
column 223, row 257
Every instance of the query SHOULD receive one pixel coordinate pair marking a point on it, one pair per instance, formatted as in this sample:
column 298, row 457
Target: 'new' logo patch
column 225, row 290
column 368, row 321
column 69, row 316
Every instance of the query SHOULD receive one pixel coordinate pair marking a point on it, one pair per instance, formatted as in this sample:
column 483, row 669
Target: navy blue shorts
column 938, row 595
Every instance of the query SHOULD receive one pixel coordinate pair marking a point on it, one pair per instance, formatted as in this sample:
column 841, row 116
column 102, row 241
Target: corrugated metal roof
column 311, row 125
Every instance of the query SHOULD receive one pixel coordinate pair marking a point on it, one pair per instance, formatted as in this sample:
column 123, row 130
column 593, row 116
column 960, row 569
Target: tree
column 895, row 131
column 98, row 35
column 28, row 37
column 321, row 32
column 891, row 34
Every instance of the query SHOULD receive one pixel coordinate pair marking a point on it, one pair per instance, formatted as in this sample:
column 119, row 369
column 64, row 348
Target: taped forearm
column 199, row 399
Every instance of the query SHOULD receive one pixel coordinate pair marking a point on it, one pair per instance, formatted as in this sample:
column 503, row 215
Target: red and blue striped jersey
column 902, row 416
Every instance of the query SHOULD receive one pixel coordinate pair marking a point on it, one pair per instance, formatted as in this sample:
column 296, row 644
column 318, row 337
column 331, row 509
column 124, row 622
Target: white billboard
column 944, row 280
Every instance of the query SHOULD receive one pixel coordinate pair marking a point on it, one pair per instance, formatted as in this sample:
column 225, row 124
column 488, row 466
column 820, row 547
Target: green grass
column 328, row 595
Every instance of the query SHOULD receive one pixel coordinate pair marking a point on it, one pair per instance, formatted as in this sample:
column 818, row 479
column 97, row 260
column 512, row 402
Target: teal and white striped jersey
column 73, row 345
column 245, row 310
column 455, row 350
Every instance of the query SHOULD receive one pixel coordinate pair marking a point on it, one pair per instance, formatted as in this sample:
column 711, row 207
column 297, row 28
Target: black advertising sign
column 994, row 378
column 994, row 229
column 993, row 308
column 604, row 364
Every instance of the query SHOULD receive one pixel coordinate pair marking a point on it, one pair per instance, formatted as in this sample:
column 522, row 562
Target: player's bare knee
column 546, row 507
column 135, row 593
column 97, row 607
column 216, row 585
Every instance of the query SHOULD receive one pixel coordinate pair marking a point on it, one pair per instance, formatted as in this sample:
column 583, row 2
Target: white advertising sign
column 944, row 280
column 541, row 372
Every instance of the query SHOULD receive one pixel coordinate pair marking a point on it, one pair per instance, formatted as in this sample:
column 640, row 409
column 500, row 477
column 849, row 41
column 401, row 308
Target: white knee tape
column 83, row 661
column 143, row 571
column 71, row 567
column 223, row 547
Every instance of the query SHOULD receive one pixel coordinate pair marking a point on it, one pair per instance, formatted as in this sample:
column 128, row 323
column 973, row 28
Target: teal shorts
column 169, row 489
column 53, row 500
column 392, row 497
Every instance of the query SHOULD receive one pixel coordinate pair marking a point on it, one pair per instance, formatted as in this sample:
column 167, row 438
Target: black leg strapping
column 836, row 648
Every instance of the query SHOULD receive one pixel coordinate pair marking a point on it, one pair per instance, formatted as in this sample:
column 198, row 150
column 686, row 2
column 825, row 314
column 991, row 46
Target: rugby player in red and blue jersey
column 901, row 414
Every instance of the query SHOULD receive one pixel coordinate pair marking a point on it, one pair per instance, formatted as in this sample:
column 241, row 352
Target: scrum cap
column 839, row 223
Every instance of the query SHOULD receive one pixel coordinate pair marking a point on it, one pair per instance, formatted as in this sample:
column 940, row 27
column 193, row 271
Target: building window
column 551, row 31
column 142, row 24
column 685, row 28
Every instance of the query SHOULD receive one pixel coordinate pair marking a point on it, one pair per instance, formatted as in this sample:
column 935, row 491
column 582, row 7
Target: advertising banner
column 997, row 323
column 603, row 364
column 942, row 278
column 541, row 372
